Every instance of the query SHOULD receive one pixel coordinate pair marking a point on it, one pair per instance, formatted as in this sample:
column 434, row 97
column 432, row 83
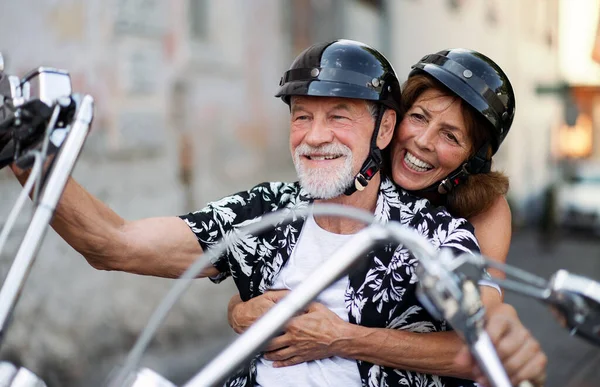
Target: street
column 572, row 362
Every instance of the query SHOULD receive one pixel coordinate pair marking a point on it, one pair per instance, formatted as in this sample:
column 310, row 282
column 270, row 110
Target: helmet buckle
column 360, row 183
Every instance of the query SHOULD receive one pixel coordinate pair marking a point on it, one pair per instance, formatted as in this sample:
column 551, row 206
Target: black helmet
column 346, row 69
column 342, row 68
column 477, row 80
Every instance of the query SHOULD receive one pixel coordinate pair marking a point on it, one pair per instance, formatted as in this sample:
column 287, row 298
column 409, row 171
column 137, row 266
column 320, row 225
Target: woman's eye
column 452, row 137
column 417, row 116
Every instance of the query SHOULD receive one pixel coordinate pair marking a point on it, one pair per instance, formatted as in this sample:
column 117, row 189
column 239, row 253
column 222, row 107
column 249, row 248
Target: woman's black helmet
column 342, row 68
column 479, row 81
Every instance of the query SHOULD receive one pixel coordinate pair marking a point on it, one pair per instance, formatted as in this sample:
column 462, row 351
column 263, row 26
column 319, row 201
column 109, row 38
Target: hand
column 309, row 336
column 243, row 314
column 520, row 353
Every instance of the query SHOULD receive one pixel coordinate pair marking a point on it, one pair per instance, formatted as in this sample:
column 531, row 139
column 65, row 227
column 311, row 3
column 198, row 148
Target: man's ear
column 386, row 129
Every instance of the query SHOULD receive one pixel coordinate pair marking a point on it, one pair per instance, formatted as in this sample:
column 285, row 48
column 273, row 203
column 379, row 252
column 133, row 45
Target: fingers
column 526, row 351
column 278, row 343
column 534, row 370
column 506, row 332
column 519, row 351
column 314, row 307
column 514, row 346
column 280, row 354
column 289, row 362
column 276, row 295
column 463, row 358
column 233, row 302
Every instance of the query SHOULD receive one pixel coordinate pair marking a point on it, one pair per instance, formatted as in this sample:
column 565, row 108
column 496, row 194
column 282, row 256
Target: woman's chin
column 410, row 183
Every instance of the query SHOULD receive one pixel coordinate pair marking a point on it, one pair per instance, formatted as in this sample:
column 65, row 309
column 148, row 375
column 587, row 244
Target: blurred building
column 522, row 37
column 579, row 136
column 185, row 114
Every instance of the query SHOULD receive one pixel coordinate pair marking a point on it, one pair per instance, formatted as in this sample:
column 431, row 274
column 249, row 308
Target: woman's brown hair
column 477, row 192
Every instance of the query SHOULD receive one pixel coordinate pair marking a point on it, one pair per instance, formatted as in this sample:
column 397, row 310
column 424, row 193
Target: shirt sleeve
column 458, row 235
column 219, row 219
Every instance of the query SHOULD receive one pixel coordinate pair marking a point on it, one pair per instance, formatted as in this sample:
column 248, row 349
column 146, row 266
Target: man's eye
column 301, row 118
column 335, row 117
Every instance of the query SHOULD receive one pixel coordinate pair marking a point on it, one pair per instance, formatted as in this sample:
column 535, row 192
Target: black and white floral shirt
column 380, row 294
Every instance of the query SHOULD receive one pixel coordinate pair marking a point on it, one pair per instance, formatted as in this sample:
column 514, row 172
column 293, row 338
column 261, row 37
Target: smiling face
column 329, row 140
column 431, row 141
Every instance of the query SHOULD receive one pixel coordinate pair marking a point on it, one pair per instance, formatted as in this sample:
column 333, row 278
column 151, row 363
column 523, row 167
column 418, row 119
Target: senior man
column 343, row 98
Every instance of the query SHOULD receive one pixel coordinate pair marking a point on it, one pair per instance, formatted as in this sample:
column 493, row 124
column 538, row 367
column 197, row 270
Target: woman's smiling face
column 431, row 141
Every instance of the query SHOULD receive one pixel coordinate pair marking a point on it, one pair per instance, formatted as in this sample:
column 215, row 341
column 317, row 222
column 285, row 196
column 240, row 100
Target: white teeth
column 416, row 164
column 320, row 158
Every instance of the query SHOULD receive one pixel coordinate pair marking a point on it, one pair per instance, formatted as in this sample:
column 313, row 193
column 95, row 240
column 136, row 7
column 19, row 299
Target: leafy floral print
column 381, row 293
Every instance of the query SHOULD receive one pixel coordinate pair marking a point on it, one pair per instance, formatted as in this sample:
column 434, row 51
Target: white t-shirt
column 315, row 245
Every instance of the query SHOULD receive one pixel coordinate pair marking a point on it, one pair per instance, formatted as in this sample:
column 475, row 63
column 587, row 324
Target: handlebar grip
column 484, row 352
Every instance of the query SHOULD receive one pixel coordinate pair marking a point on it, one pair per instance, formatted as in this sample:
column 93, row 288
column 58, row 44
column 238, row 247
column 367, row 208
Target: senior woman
column 457, row 106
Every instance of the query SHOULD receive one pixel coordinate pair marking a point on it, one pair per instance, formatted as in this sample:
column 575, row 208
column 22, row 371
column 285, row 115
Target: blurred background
column 185, row 114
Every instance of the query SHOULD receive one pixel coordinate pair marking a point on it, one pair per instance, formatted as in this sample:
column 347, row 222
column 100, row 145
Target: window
column 198, row 19
column 376, row 4
column 140, row 17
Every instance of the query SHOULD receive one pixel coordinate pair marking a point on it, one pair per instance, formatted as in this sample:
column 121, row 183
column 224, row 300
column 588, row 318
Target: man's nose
column 319, row 133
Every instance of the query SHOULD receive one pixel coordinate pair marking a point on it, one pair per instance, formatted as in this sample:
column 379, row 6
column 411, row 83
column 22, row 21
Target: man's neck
column 364, row 200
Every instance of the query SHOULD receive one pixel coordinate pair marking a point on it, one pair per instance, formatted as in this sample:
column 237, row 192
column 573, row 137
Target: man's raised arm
column 162, row 247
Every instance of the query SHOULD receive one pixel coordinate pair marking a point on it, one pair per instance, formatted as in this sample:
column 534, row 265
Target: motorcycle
column 43, row 126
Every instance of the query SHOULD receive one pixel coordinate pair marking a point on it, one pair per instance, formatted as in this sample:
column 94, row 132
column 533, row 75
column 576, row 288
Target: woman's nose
column 425, row 139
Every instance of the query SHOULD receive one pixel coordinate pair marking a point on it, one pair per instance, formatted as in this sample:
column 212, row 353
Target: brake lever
column 26, row 106
column 574, row 299
column 55, row 132
column 448, row 288
column 577, row 301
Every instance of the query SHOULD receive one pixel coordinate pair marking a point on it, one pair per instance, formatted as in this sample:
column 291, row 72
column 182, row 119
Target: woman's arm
column 493, row 229
column 319, row 333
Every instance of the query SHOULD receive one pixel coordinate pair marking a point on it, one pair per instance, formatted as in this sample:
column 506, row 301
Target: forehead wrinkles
column 355, row 106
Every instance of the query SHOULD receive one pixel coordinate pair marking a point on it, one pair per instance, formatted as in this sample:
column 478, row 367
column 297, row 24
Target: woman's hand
column 310, row 336
column 243, row 314
column 520, row 353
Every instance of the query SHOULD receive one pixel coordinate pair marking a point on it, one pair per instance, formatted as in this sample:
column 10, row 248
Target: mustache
column 327, row 149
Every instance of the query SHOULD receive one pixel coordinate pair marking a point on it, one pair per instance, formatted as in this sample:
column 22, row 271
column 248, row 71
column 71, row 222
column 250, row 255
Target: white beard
column 324, row 183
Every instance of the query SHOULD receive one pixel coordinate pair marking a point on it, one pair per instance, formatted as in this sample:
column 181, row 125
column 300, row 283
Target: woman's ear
column 386, row 129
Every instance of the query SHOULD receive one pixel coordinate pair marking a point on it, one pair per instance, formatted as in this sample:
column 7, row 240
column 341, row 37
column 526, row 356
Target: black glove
column 22, row 131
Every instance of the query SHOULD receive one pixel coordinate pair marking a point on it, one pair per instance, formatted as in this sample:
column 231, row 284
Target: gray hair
column 373, row 107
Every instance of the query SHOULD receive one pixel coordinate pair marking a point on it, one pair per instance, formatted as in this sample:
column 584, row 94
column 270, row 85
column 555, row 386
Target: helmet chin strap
column 374, row 160
column 476, row 164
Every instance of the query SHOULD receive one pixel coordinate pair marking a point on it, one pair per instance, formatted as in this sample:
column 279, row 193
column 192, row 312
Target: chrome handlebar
column 39, row 117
